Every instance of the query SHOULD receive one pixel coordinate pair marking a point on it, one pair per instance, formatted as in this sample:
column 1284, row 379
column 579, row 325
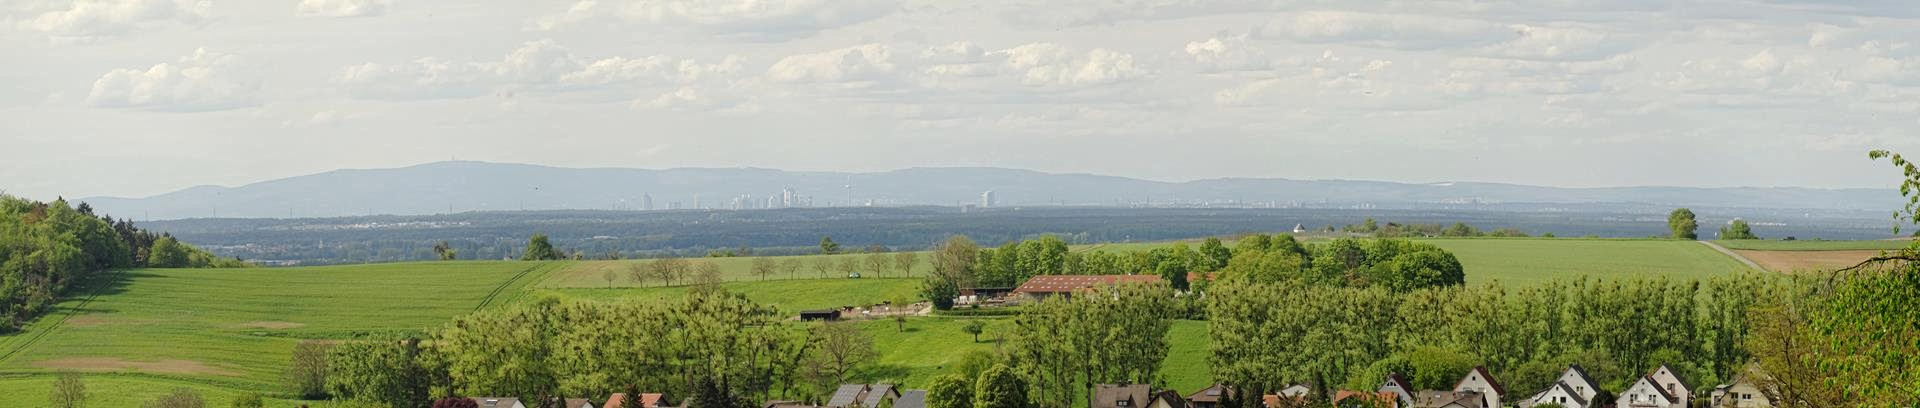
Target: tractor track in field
column 36, row 336
column 495, row 294
column 1735, row 255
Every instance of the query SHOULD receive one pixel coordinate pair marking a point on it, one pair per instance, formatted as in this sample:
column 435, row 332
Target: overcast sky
column 140, row 97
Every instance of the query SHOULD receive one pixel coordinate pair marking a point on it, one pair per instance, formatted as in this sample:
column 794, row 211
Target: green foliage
column 1114, row 335
column 538, row 249
column 1682, row 225
column 69, row 391
column 827, row 246
column 386, row 371
column 1737, row 229
column 445, row 251
column 1434, row 368
column 953, row 267
column 1272, row 334
column 179, row 398
column 974, row 362
column 951, row 391
column 248, row 400
column 48, row 248
column 975, row 327
column 1000, row 387
column 308, row 369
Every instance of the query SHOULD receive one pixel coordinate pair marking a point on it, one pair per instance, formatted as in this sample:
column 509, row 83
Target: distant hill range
column 462, row 186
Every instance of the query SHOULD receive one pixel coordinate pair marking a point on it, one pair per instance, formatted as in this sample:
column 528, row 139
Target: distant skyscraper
column 986, row 199
column 789, row 198
column 646, row 202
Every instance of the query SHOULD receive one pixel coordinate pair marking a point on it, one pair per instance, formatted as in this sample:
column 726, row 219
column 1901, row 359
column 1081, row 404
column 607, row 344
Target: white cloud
column 342, row 8
column 758, row 19
column 863, row 63
column 203, row 81
column 1228, row 54
column 691, row 99
column 1397, row 31
column 537, row 65
column 1561, row 43
column 1048, row 64
column 86, row 19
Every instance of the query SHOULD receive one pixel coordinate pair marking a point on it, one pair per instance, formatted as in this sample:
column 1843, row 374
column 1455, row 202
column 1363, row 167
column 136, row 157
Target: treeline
column 1266, row 336
column 713, row 349
column 48, row 248
column 1416, row 230
column 1394, row 264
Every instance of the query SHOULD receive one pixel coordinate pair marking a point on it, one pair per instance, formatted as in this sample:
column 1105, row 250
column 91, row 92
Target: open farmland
column 1526, row 261
column 235, row 328
column 591, row 274
column 790, row 296
column 1797, row 261
column 1813, row 245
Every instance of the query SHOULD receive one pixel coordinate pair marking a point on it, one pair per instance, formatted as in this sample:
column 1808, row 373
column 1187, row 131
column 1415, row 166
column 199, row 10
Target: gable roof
column 1076, row 283
column 1651, row 383
column 577, row 403
column 876, row 394
column 911, row 399
column 1676, row 377
column 1171, row 398
column 1209, row 394
column 496, row 402
column 1109, row 395
column 1482, row 372
column 847, row 395
column 1581, row 372
column 1578, row 401
column 1395, row 379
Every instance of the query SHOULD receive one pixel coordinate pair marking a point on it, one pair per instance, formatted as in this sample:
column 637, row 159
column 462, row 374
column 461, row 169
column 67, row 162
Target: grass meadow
column 1515, row 262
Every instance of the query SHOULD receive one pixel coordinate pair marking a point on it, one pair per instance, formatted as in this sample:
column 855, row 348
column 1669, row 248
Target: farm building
column 1044, row 286
column 970, row 296
column 827, row 315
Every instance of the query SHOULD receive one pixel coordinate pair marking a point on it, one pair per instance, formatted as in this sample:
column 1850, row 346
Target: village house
column 1208, row 397
column 911, row 399
column 1451, row 399
column 1402, row 389
column 620, row 400
column 1647, row 393
column 497, row 402
column 1045, row 286
column 1674, row 384
column 1371, row 399
column 1481, row 382
column 1741, row 393
column 1134, row 396
column 862, row 395
column 1573, row 389
column 576, row 403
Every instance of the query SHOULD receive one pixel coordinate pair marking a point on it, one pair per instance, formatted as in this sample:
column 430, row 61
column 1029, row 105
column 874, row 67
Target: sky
column 141, row 97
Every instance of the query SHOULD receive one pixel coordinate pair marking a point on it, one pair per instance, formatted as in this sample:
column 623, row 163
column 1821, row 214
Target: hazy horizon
column 133, row 98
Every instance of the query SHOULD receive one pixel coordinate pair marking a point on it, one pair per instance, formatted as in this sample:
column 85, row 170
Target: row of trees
column 1398, row 265
column 1062, row 347
column 1268, row 335
column 712, row 348
column 48, row 248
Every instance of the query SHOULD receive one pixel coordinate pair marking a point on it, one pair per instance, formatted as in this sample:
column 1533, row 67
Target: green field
column 591, row 274
column 1526, row 261
column 1814, row 245
column 236, row 328
column 791, row 296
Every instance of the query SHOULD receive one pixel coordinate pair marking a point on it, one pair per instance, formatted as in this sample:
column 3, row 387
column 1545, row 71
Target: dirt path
column 1736, row 256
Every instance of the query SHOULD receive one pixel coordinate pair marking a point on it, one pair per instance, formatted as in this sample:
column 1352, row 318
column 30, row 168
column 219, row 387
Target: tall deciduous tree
column 69, row 391
column 827, row 246
column 539, row 249
column 1000, row 387
column 904, row 261
column 764, row 267
column 308, row 371
column 953, row 263
column 388, row 371
column 1737, row 229
column 950, row 391
column 839, row 350
column 1682, row 225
